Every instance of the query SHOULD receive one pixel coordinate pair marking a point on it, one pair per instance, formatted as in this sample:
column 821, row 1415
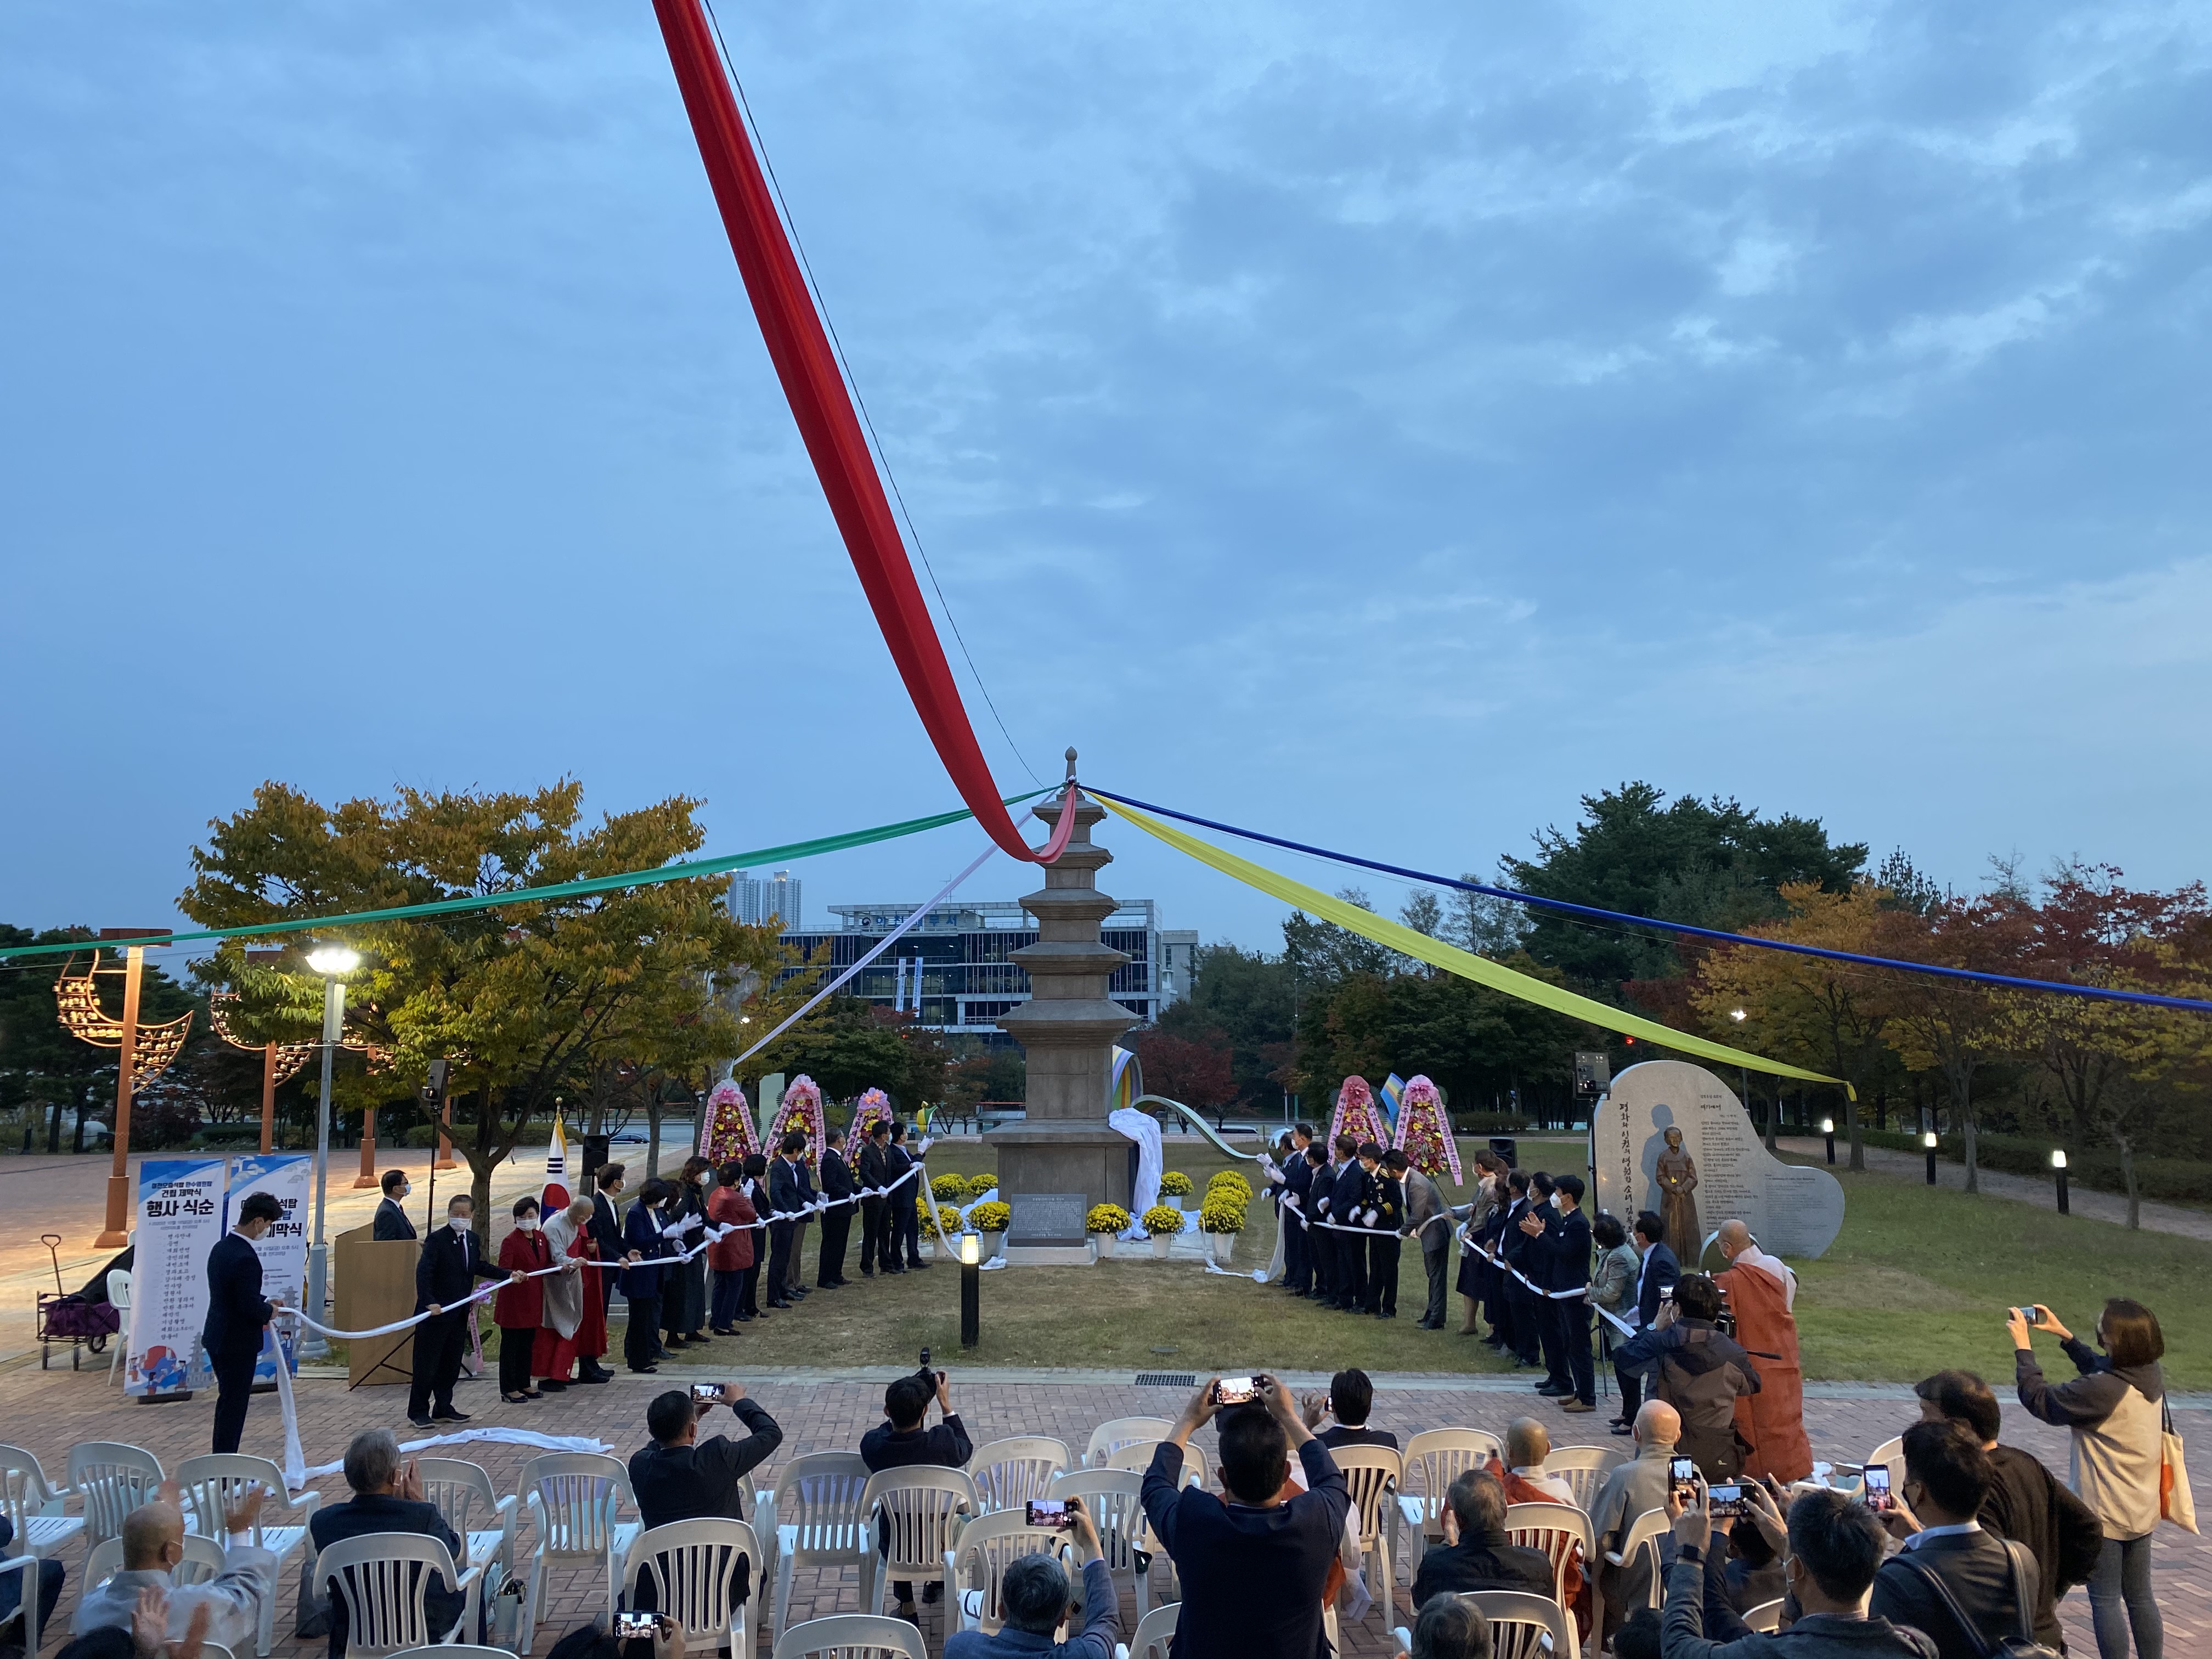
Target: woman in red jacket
column 732, row 1254
column 518, row 1310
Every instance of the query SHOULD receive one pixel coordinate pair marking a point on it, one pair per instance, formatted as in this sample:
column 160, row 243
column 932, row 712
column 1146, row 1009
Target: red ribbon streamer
column 820, row 403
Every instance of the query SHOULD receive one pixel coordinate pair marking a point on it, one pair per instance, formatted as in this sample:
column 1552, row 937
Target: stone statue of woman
column 1676, row 1173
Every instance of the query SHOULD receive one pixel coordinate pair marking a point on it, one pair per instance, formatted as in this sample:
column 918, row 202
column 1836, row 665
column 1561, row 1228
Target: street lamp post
column 1928, row 1140
column 333, row 962
column 1828, row 1134
column 971, row 1290
column 2058, row 1169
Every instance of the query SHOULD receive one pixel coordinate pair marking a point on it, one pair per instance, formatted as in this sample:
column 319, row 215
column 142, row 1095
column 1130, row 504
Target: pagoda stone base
column 1051, row 1174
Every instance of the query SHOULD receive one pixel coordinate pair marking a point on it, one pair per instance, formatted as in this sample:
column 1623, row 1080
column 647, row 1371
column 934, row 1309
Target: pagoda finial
column 1070, row 763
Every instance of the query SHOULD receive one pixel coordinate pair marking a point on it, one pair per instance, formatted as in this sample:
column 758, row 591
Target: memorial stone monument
column 1063, row 1158
column 1793, row 1210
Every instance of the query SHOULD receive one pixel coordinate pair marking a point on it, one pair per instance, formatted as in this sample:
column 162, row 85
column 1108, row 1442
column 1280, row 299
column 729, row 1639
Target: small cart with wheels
column 70, row 1317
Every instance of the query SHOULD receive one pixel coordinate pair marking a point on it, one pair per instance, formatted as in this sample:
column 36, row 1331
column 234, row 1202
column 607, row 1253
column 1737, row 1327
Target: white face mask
column 405, row 1192
column 528, row 1224
column 460, row 1224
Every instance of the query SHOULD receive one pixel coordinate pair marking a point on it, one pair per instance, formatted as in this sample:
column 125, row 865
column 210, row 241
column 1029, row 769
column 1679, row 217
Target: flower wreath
column 1423, row 1132
column 728, row 1131
column 1356, row 1115
column 802, row 1111
column 874, row 1106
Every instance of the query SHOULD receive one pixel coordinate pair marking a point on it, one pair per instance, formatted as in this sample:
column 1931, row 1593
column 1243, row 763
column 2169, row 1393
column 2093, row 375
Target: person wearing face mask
column 519, row 1307
column 391, row 1222
column 444, row 1279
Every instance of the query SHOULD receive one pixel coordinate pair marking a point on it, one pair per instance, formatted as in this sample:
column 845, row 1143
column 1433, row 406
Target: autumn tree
column 1195, row 1070
column 525, row 999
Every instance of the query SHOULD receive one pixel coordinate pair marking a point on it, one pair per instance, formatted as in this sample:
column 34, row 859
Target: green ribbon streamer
column 565, row 890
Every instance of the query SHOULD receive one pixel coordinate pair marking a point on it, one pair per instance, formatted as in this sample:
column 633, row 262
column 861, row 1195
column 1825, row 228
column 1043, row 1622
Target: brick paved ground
column 828, row 1410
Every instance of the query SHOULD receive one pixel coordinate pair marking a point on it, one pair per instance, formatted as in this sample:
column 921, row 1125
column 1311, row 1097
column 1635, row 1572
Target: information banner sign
column 181, row 1220
column 288, row 1177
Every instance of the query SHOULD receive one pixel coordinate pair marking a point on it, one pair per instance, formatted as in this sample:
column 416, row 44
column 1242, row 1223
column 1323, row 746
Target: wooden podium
column 375, row 1285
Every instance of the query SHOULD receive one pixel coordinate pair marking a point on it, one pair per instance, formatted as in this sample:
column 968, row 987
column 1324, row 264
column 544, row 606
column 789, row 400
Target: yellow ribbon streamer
column 1450, row 957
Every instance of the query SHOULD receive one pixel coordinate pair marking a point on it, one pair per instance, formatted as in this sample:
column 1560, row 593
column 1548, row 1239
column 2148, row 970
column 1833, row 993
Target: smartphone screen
column 1048, row 1512
column 706, row 1391
column 1877, row 1485
column 1727, row 1501
column 1682, row 1476
column 1235, row 1391
column 634, row 1624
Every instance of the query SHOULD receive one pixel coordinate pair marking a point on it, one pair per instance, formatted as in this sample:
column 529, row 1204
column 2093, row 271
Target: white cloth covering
column 1152, row 1162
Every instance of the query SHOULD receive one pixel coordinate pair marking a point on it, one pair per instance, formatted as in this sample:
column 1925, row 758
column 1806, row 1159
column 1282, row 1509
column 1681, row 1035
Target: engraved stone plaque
column 1047, row 1218
column 1792, row 1210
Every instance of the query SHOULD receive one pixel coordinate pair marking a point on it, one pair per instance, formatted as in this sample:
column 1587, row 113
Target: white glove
column 1370, row 1218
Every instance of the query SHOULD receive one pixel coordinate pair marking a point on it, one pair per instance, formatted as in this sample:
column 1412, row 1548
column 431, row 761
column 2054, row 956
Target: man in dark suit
column 1657, row 1275
column 1513, row 1251
column 236, row 1313
column 387, row 1497
column 1320, row 1243
column 1350, row 1398
column 1562, row 1247
column 837, row 1220
column 680, row 1477
column 874, row 1173
column 446, row 1274
column 902, row 1207
column 1946, row 1477
column 1384, row 1215
column 782, row 1199
column 1347, row 1201
column 1474, row 1554
column 803, row 1172
column 391, row 1222
column 606, row 1226
column 1297, row 1182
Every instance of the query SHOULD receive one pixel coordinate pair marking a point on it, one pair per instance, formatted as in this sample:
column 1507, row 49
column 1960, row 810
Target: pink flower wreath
column 1356, row 1115
column 873, row 1107
column 801, row 1110
column 1423, row 1132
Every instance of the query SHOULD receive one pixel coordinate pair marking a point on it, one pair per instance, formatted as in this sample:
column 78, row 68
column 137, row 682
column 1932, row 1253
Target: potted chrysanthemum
column 1163, row 1222
column 1104, row 1223
column 992, row 1220
column 1221, row 1217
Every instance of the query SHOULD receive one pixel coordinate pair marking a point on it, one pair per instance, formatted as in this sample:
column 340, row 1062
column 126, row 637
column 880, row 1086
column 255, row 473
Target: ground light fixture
column 1928, row 1140
column 971, row 1288
column 2058, row 1169
column 1828, row 1134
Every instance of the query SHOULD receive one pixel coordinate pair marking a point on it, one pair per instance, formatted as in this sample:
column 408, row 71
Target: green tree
column 526, row 1000
column 850, row 1045
column 1252, row 1000
column 1711, row 863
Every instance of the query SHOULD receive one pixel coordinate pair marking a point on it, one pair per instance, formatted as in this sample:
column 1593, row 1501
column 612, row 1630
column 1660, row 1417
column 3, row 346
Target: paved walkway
column 2175, row 1219
column 50, row 1411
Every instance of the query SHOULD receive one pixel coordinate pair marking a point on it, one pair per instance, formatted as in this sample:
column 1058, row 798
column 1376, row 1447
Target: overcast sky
column 1380, row 425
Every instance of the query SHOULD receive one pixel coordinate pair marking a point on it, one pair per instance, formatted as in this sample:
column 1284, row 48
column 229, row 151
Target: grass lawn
column 1916, row 1281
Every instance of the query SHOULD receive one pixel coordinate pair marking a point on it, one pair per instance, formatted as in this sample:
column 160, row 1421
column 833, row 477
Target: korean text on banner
column 180, row 1221
column 287, row 1177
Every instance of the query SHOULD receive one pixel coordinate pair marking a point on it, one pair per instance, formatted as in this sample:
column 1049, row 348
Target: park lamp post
column 971, row 1289
column 333, row 962
column 1928, row 1140
column 2058, row 1169
column 1828, row 1134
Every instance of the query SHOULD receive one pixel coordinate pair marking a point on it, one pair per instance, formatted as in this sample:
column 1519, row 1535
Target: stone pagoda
column 1064, row 1157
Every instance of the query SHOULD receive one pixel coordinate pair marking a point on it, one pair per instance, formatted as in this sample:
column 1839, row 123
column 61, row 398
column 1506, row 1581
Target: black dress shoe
column 1551, row 1392
column 645, row 1370
column 552, row 1385
column 595, row 1376
column 781, row 1305
column 421, row 1422
column 449, row 1414
column 924, row 1265
column 721, row 1330
column 867, row 1272
column 746, row 1318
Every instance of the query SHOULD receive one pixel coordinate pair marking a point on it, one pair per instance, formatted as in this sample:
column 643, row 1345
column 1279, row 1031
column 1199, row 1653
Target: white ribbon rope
column 882, row 945
column 715, row 1233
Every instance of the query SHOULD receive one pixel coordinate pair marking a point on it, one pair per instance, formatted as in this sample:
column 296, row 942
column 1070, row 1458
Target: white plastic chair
column 1372, row 1475
column 1765, row 1617
column 814, row 1519
column 1119, row 1432
column 699, row 1570
column 385, row 1578
column 203, row 1561
column 1557, row 1529
column 463, row 1493
column 1520, row 1624
column 1890, row 1454
column 977, row 1562
column 1009, row 1473
column 26, row 1569
column 111, row 1479
column 918, row 1511
column 1116, row 1502
column 33, row 1505
column 1644, row 1537
column 119, row 1293
column 1137, row 1456
column 1433, row 1459
column 851, row 1636
column 1156, row 1631
column 454, row 1650
column 215, row 1478
column 1584, row 1469
column 574, row 1498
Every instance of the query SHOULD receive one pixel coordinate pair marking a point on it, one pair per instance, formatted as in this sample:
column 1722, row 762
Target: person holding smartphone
column 1035, row 1593
column 1253, row 1562
column 900, row 1442
column 680, row 1477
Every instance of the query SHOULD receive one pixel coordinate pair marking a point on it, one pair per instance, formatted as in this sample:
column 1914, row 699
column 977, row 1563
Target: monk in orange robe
column 1761, row 1292
column 1574, row 1585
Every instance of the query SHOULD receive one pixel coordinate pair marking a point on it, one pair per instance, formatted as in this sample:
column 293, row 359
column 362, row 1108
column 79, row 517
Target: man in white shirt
column 153, row 1542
